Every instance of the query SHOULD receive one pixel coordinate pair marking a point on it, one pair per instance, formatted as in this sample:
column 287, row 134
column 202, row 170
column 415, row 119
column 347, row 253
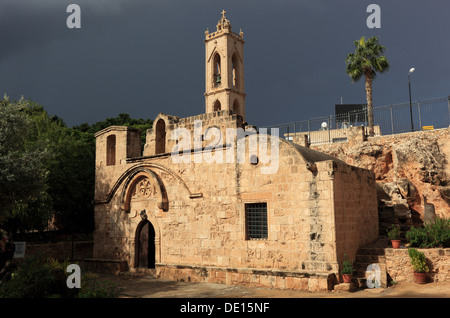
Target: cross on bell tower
column 224, row 69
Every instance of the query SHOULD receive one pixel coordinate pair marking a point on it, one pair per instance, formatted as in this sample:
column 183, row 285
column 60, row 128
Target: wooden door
column 146, row 246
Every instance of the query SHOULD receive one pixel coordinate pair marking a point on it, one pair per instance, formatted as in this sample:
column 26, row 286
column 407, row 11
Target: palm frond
column 367, row 58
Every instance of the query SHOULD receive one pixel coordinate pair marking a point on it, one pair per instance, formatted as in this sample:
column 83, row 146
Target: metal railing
column 390, row 119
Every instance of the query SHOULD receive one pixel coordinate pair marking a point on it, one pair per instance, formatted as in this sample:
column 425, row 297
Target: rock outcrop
column 408, row 168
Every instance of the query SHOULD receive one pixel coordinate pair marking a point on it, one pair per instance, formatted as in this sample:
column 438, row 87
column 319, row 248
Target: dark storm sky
column 144, row 57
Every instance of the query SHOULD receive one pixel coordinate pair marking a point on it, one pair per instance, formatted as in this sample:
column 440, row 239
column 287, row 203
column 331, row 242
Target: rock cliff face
column 412, row 171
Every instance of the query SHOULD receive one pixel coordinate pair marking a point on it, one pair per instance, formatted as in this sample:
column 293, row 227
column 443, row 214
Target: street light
column 410, row 103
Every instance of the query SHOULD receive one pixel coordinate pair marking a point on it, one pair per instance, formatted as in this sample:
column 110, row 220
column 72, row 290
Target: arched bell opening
column 217, row 106
column 217, row 70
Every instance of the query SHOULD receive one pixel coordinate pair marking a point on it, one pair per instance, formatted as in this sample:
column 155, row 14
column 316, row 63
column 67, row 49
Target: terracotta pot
column 395, row 243
column 420, row 278
column 347, row 278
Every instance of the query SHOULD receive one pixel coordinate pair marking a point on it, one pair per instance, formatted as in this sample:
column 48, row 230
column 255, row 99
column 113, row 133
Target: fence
column 391, row 119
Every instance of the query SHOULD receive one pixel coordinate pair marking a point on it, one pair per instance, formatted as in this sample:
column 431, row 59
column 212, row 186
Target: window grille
column 256, row 221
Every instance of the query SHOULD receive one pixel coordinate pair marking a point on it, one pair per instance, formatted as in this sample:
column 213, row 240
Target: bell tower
column 224, row 69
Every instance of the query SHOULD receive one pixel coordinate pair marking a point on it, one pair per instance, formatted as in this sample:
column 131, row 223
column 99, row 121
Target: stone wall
column 61, row 250
column 197, row 208
column 210, row 229
column 281, row 279
column 399, row 266
column 196, row 125
column 356, row 213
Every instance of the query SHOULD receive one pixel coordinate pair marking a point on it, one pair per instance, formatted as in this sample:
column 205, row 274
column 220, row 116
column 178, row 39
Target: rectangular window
column 256, row 221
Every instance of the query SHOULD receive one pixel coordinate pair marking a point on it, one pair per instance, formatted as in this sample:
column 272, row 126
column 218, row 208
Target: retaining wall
column 399, row 265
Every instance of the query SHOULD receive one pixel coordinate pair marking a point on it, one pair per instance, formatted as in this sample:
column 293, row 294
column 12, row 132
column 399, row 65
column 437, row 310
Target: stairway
column 386, row 218
column 98, row 265
column 370, row 258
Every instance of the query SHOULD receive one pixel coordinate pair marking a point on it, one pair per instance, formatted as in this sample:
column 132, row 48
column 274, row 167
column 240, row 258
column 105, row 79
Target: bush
column 418, row 261
column 57, row 264
column 33, row 279
column 432, row 234
column 394, row 232
column 46, row 278
column 347, row 267
column 418, row 237
column 93, row 287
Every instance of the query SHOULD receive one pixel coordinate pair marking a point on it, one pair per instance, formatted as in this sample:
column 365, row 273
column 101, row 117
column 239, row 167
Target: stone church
column 203, row 219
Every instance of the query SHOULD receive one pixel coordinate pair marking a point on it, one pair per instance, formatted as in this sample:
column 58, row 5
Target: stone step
column 371, row 255
column 362, row 275
column 386, row 213
column 361, row 268
column 370, row 258
column 371, row 251
column 98, row 265
column 140, row 272
column 364, row 265
column 362, row 283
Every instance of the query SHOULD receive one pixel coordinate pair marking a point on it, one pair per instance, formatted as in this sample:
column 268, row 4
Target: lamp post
column 410, row 102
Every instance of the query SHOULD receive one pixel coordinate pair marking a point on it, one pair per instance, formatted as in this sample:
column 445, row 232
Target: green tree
column 56, row 165
column 23, row 174
column 71, row 169
column 122, row 119
column 47, row 170
column 366, row 61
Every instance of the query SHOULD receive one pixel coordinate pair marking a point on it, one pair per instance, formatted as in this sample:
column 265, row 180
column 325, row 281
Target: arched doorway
column 145, row 245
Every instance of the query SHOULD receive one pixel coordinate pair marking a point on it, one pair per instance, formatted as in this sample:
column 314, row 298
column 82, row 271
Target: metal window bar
column 256, row 221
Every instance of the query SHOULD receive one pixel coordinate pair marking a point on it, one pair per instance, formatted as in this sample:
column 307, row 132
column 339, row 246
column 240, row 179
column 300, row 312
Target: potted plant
column 347, row 270
column 418, row 262
column 394, row 235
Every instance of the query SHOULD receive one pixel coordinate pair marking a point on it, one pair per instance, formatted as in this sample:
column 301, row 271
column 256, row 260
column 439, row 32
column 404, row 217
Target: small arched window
column 111, row 150
column 160, row 138
column 217, row 79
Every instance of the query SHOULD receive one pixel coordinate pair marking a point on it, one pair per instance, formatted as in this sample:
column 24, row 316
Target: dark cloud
column 145, row 57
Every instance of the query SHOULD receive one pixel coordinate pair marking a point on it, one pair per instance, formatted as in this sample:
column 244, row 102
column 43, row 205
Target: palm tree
column 367, row 60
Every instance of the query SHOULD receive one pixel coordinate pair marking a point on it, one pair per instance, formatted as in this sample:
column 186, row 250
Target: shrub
column 418, row 261
column 439, row 231
column 432, row 234
column 33, row 279
column 394, row 232
column 417, row 237
column 57, row 264
column 41, row 277
column 347, row 267
column 93, row 287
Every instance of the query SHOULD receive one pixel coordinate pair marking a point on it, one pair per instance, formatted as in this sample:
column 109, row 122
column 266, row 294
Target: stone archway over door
column 145, row 247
